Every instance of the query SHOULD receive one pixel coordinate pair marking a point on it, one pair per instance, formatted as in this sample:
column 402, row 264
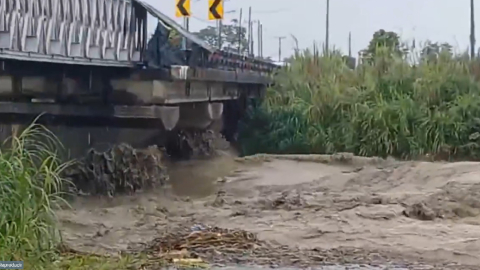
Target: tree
column 230, row 37
column 209, row 35
column 433, row 50
column 384, row 41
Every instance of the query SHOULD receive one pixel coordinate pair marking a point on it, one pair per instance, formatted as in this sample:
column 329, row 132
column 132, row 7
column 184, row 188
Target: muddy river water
column 356, row 213
column 331, row 267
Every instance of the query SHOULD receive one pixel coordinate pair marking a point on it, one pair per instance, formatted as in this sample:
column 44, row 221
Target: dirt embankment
column 310, row 210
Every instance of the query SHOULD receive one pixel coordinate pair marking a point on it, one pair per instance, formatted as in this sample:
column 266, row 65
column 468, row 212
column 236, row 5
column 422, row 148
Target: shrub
column 30, row 188
column 385, row 107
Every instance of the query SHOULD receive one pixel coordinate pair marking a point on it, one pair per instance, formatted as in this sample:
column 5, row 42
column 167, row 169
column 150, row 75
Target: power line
column 202, row 20
column 271, row 11
column 253, row 12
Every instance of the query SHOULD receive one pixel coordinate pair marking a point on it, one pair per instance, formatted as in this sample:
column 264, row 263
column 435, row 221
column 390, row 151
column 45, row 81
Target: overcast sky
column 437, row 20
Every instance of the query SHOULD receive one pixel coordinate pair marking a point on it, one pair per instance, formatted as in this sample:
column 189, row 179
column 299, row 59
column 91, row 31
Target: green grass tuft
column 30, row 188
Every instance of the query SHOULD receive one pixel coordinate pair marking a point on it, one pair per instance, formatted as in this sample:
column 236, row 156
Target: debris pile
column 203, row 240
column 223, row 246
column 187, row 144
column 200, row 142
column 121, row 169
column 213, row 244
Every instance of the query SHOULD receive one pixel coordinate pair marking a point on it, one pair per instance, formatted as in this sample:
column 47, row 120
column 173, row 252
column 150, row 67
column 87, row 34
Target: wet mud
column 294, row 211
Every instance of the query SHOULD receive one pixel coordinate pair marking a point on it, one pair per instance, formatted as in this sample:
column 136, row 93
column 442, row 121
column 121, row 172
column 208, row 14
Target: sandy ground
column 356, row 209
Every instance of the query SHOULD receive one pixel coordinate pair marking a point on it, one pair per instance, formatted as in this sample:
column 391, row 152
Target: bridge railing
column 92, row 32
column 217, row 57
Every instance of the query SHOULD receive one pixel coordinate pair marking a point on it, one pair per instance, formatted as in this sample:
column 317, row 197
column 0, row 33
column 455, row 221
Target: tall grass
column 30, row 188
column 388, row 106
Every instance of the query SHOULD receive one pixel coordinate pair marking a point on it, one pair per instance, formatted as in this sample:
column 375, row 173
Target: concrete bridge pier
column 199, row 115
column 169, row 116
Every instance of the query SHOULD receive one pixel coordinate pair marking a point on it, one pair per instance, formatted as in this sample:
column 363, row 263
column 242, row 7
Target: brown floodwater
column 351, row 212
column 199, row 178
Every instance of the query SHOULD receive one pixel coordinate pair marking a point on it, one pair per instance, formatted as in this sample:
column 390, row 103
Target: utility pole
column 220, row 26
column 240, row 33
column 252, row 42
column 327, row 26
column 349, row 44
column 259, row 37
column 261, row 40
column 186, row 25
column 280, row 48
column 249, row 38
column 472, row 29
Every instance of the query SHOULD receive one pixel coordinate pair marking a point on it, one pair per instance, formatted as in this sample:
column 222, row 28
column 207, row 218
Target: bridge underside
column 89, row 67
column 164, row 94
column 99, row 106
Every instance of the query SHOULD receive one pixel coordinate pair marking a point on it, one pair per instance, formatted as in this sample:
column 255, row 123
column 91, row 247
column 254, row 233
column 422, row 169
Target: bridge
column 90, row 65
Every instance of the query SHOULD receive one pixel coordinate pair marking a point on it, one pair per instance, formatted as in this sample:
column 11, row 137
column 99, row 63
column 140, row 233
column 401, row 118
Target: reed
column 387, row 106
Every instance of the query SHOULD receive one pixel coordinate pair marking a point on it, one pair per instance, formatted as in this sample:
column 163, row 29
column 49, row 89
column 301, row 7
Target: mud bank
column 316, row 209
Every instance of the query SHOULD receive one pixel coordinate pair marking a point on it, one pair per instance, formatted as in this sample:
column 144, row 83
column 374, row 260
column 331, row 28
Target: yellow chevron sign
column 182, row 8
column 215, row 9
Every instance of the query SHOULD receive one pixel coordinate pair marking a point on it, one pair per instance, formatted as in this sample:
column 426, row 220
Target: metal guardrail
column 92, row 32
column 219, row 57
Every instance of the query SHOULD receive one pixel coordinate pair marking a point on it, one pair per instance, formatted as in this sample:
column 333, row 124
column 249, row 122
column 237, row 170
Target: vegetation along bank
column 397, row 101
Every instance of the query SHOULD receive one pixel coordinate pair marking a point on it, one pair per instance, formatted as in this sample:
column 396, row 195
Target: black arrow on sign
column 213, row 9
column 181, row 8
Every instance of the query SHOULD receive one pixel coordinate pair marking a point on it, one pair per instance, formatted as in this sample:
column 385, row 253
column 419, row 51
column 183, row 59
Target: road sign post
column 186, row 25
column 215, row 10
column 182, row 9
column 219, row 33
